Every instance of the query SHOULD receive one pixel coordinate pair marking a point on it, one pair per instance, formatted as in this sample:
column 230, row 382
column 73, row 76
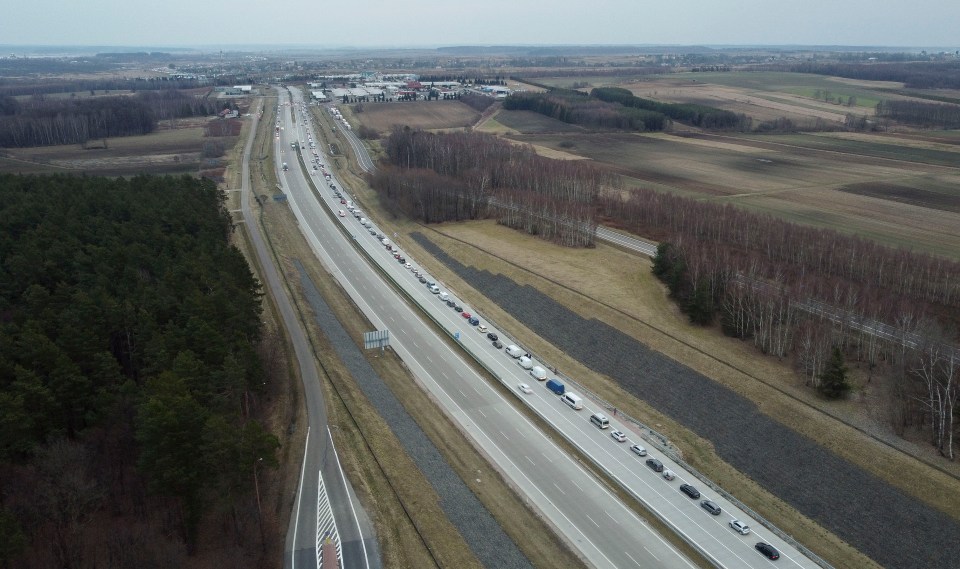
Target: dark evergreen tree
column 833, row 380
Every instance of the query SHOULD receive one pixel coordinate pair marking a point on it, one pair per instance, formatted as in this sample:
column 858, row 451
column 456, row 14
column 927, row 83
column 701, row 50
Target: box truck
column 555, row 386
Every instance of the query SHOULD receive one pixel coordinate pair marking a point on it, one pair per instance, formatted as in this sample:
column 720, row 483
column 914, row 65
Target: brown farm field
column 169, row 150
column 426, row 115
column 819, row 180
column 899, row 188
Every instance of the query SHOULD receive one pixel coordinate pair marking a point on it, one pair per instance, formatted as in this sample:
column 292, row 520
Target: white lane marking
column 591, row 519
column 296, row 520
column 627, row 553
column 504, row 435
column 530, row 460
column 651, row 553
column 611, row 517
column 558, row 488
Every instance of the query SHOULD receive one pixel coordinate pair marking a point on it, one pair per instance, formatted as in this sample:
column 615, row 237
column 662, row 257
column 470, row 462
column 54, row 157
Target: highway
column 335, row 513
column 541, row 470
column 592, row 520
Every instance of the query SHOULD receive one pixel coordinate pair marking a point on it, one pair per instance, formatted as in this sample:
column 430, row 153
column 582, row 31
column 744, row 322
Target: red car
column 465, row 314
column 343, row 202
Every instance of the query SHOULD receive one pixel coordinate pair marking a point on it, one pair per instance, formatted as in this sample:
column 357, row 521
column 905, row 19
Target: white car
column 668, row 474
column 639, row 450
column 524, row 388
column 740, row 527
column 482, row 329
column 407, row 266
column 618, row 436
column 341, row 213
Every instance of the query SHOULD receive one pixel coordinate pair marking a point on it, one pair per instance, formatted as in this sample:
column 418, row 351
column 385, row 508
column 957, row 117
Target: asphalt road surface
column 595, row 523
column 358, row 545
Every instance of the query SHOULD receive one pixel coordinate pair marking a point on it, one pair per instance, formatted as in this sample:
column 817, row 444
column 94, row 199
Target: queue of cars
column 525, row 361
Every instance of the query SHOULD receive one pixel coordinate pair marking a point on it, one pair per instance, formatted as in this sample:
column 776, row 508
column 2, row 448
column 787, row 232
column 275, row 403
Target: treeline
column 21, row 87
column 129, row 374
column 612, row 107
column 800, row 292
column 697, row 115
column 457, row 176
column 623, row 71
column 916, row 75
column 930, row 115
column 44, row 121
column 476, row 102
column 578, row 108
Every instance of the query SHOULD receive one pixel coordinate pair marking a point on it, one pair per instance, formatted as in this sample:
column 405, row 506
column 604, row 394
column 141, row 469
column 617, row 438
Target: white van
column 514, row 351
column 525, row 362
column 573, row 400
column 600, row 420
column 444, row 296
column 539, row 373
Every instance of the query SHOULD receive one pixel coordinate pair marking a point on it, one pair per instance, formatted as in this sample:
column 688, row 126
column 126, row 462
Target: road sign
column 376, row 339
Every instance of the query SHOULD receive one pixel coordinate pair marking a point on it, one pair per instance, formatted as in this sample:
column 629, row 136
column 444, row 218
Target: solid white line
column 366, row 559
column 296, row 519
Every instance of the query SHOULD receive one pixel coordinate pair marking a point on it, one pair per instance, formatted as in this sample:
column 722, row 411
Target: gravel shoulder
column 847, row 500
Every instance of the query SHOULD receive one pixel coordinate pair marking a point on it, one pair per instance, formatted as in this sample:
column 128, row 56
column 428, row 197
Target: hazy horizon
column 426, row 24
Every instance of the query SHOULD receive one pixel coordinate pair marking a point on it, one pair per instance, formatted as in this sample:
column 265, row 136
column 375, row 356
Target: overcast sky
column 363, row 23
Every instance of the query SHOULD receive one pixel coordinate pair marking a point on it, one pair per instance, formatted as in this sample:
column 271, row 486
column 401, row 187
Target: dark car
column 450, row 303
column 422, row 279
column 768, row 550
column 402, row 260
column 690, row 491
column 497, row 344
column 492, row 336
column 710, row 507
column 474, row 321
column 457, row 307
column 655, row 464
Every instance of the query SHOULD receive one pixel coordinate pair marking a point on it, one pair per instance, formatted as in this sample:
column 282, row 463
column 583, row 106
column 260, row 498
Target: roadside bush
column 367, row 133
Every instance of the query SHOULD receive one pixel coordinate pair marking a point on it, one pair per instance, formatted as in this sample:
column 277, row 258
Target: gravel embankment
column 893, row 528
column 492, row 546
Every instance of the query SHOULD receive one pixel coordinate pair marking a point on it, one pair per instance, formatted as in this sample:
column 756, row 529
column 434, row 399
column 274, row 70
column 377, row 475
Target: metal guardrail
column 652, row 436
column 663, row 444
